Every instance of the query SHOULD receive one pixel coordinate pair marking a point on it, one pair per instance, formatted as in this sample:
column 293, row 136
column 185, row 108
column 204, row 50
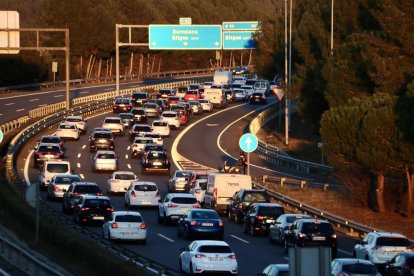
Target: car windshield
column 143, row 141
column 86, row 189
column 73, row 120
column 256, row 197
column 122, row 101
column 97, row 203
column 102, row 135
column 163, row 124
column 150, row 105
column 271, row 211
column 50, row 140
column 124, row 176
column 153, row 147
column 106, row 156
column 359, row 268
column 67, row 179
column 57, row 168
column 203, row 185
column 157, row 155
column 389, row 241
column 138, row 111
column 126, row 116
column 184, row 200
column 128, row 218
column 142, row 128
column 204, row 215
column 317, row 227
column 54, row 149
column 169, row 115
column 214, row 249
column 112, row 121
column 145, row 188
column 203, row 101
column 67, row 126
column 191, row 92
column 182, row 174
column 292, row 219
column 139, row 96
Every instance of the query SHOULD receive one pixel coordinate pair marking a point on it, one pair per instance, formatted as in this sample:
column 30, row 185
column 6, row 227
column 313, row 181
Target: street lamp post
column 332, row 26
column 286, row 81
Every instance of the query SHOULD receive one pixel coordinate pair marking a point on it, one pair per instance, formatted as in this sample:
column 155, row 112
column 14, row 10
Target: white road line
column 345, row 252
column 286, row 258
column 240, row 239
column 129, row 166
column 84, row 146
column 79, row 165
column 20, row 110
column 26, row 167
column 82, row 176
column 1, row 114
column 33, row 100
column 128, row 148
column 58, row 96
column 126, row 156
column 41, row 105
column 79, row 155
column 106, row 89
column 9, row 104
column 4, row 273
column 84, row 92
column 168, row 239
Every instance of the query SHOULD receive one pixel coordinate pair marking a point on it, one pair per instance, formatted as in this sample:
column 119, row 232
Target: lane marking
column 106, row 89
column 33, row 100
column 84, row 92
column 58, row 96
column 129, row 166
column 126, row 156
column 9, row 104
column 79, row 155
column 84, row 146
column 128, row 148
column 286, row 258
column 79, row 165
column 167, row 238
column 20, row 110
column 1, row 114
column 42, row 105
column 345, row 252
column 26, row 167
column 240, row 239
column 82, row 176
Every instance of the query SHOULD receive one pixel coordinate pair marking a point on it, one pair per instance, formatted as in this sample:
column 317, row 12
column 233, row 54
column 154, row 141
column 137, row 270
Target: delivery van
column 221, row 187
column 216, row 96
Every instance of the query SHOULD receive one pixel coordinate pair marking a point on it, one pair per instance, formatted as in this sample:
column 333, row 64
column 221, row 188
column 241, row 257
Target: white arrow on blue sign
column 248, row 142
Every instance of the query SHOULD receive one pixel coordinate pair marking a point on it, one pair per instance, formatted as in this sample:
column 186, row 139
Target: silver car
column 179, row 181
column 59, row 184
column 115, row 124
column 278, row 229
column 104, row 160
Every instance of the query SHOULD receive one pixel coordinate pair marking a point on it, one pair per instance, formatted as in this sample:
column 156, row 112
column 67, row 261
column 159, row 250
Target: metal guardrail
column 303, row 184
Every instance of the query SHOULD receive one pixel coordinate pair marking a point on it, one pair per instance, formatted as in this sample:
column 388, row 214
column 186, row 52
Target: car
column 311, row 232
column 156, row 161
column 207, row 84
column 191, row 95
column 122, row 105
column 126, row 226
column 73, row 193
column 236, row 85
column 79, row 121
column 262, row 86
column 91, row 209
column 276, row 270
column 51, row 139
column 140, row 116
column 195, row 86
column 142, row 193
column 165, row 93
column 206, row 105
column 59, row 183
column 46, row 152
column 182, row 113
column 278, row 229
column 188, row 109
column 181, row 90
column 100, row 129
column 239, row 80
column 196, row 107
column 351, row 266
column 258, row 98
column 402, row 264
column 198, row 175
column 260, row 216
column 127, row 118
column 68, row 131
column 241, row 70
column 155, row 136
column 179, row 181
column 138, row 130
column 162, row 127
column 381, row 247
column 208, row 256
column 230, row 95
column 199, row 190
column 201, row 223
column 101, row 140
column 174, row 206
column 120, row 181
column 151, row 147
column 138, row 146
column 241, row 201
column 139, row 98
column 248, row 89
column 172, row 118
column 160, row 103
column 151, row 109
column 114, row 124
column 49, row 169
column 172, row 100
column 240, row 95
column 104, row 160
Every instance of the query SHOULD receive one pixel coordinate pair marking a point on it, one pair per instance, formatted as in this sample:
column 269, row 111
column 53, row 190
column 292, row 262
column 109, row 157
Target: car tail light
column 410, row 247
column 193, row 222
column 260, row 217
column 143, row 226
column 85, row 208
column 158, row 194
column 133, row 193
column 240, row 205
column 114, row 225
column 221, row 224
column 114, row 181
column 56, row 188
column 197, row 191
column 172, row 205
column 200, row 256
column 302, row 235
column 406, row 266
column 111, row 209
column 333, row 236
column 233, row 257
column 74, row 194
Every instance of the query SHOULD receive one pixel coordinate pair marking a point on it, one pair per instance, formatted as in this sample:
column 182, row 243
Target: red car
column 182, row 114
column 171, row 100
column 191, row 95
column 122, row 105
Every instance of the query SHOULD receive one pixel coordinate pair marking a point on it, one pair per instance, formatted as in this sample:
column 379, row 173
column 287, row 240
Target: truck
column 221, row 187
column 216, row 96
column 223, row 78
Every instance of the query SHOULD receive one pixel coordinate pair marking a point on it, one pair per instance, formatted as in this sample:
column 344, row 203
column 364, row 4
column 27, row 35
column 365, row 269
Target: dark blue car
column 201, row 223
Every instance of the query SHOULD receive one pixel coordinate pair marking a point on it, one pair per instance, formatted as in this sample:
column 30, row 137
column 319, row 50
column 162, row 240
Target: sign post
column 248, row 143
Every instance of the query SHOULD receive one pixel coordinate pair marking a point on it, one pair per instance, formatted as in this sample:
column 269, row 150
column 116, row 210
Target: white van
column 222, row 186
column 223, row 78
column 52, row 168
column 216, row 96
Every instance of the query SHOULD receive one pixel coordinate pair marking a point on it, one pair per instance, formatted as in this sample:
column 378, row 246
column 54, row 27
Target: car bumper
column 105, row 167
column 215, row 267
column 144, row 201
column 128, row 235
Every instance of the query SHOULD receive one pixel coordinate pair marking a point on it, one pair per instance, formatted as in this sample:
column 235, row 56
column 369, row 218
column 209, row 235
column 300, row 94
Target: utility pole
column 286, row 81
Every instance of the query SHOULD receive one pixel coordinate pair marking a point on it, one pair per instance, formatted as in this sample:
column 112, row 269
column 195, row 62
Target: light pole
column 286, row 81
column 332, row 26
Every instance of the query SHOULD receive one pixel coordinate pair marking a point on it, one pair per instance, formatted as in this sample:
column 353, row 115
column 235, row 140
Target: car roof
column 124, row 172
column 94, row 197
column 280, row 267
column 264, row 204
column 120, row 213
column 181, row 195
column 211, row 242
column 353, row 261
column 306, row 220
column 388, row 234
column 295, row 215
column 74, row 117
column 169, row 112
column 111, row 118
column 105, row 151
column 143, row 183
column 50, row 136
column 66, row 175
column 56, row 162
column 85, row 183
column 49, row 145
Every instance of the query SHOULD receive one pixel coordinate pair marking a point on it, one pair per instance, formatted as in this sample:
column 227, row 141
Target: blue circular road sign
column 248, row 142
column 1, row 136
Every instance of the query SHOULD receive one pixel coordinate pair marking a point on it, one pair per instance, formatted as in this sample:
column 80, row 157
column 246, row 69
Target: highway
column 202, row 145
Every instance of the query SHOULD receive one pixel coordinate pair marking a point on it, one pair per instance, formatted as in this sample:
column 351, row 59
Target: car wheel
column 269, row 237
column 178, row 232
column 220, row 237
column 48, row 196
column 64, row 208
column 187, row 235
column 286, row 246
column 354, row 255
column 191, row 269
column 252, row 232
column 165, row 219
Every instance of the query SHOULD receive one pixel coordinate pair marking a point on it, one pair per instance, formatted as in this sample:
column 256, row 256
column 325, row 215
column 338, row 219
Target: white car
column 51, row 168
column 162, row 127
column 172, row 118
column 115, row 124
column 79, row 121
column 59, row 183
column 120, row 181
column 138, row 146
column 155, row 136
column 196, row 107
column 381, row 247
column 248, row 89
column 240, row 95
column 104, row 160
column 68, row 131
column 125, row 225
column 206, row 105
column 174, row 206
column 240, row 80
column 199, row 190
column 142, row 193
column 207, row 255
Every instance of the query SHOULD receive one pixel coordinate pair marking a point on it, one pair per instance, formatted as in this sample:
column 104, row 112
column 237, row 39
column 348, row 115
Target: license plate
column 207, row 224
column 121, row 105
column 98, row 218
column 102, row 140
column 216, row 258
column 270, row 221
column 318, row 238
column 146, row 202
column 157, row 163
